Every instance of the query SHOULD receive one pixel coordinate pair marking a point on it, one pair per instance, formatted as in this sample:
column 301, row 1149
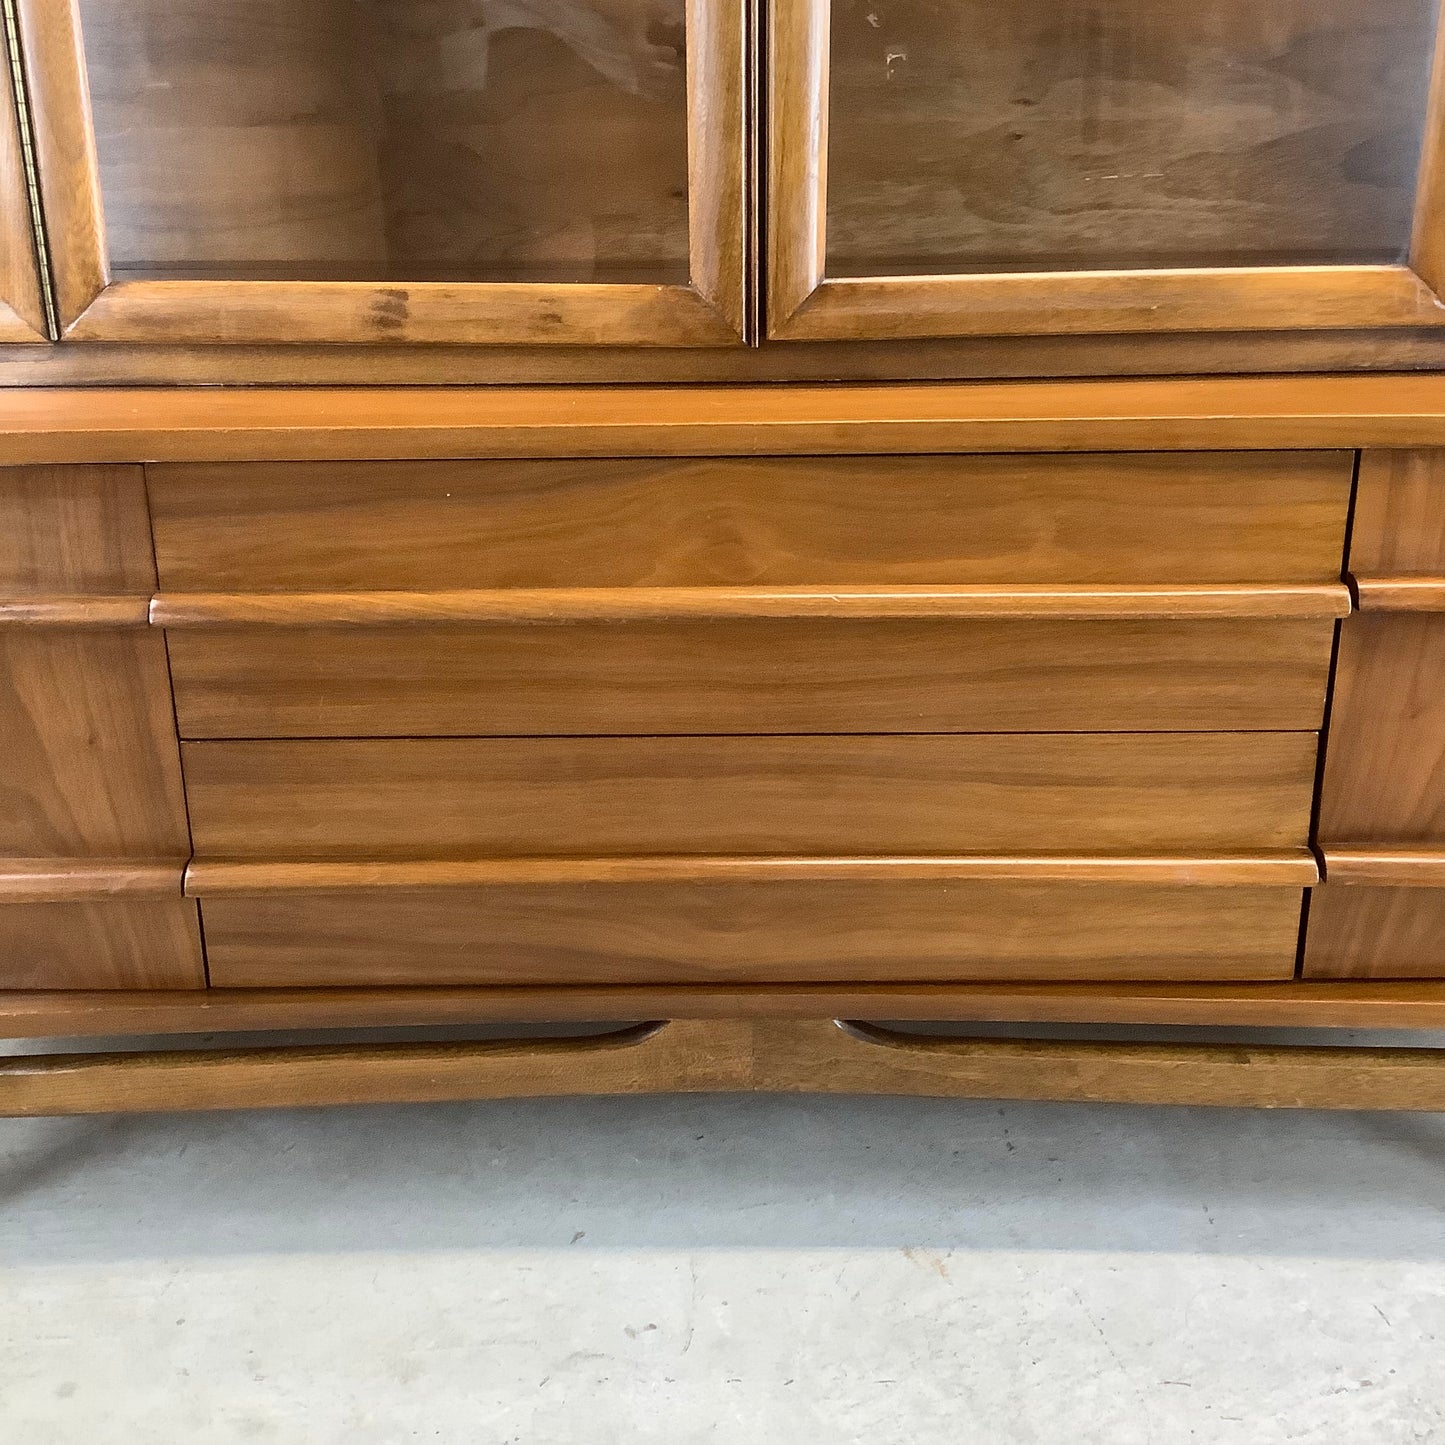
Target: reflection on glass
column 985, row 135
column 487, row 140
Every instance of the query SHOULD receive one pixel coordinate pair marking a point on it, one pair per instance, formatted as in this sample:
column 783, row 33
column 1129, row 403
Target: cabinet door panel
column 949, row 167
column 352, row 170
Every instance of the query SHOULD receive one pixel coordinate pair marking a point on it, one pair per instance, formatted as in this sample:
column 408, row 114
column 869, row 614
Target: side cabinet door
column 263, row 171
column 22, row 306
column 1381, row 910
column 969, row 168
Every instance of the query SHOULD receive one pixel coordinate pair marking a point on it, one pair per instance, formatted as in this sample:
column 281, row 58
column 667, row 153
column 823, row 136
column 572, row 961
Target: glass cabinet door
column 22, row 303
column 507, row 171
column 998, row 167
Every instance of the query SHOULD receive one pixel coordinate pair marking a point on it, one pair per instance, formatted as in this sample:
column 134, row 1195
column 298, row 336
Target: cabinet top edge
column 263, row 423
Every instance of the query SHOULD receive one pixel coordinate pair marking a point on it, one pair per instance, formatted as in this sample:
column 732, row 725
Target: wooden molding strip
column 768, row 1055
column 1400, row 594
column 1385, row 866
column 73, row 1013
column 63, row 880
column 1077, row 303
column 676, row 604
column 214, row 877
column 74, row 611
column 268, row 423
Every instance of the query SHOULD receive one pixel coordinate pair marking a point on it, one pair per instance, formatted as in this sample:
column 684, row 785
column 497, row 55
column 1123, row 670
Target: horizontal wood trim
column 421, row 312
column 74, row 611
column 267, row 423
column 1400, row 594
column 55, row 880
column 1232, row 298
column 76, row 1013
column 221, row 877
column 685, row 604
column 1385, row 865
column 773, row 1055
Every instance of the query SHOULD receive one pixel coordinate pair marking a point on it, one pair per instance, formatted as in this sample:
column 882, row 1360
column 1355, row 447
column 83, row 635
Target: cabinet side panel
column 1385, row 763
column 128, row 943
column 89, row 764
column 1399, row 526
column 1360, row 932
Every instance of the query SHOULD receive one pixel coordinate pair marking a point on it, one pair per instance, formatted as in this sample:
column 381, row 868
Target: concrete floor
column 746, row 1271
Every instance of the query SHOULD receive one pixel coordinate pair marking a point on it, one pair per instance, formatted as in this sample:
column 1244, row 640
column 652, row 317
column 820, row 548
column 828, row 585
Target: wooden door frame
column 92, row 306
column 22, row 298
column 804, row 304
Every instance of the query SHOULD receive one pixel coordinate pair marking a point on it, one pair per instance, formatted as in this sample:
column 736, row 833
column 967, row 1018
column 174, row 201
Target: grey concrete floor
column 748, row 1271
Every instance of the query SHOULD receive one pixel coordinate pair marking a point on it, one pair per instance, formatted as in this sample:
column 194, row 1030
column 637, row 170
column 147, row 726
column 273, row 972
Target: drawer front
column 769, row 932
column 530, row 797
column 758, row 677
column 768, row 521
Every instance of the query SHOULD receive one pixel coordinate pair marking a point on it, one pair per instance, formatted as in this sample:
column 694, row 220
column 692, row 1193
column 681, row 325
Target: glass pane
column 985, row 135
column 473, row 140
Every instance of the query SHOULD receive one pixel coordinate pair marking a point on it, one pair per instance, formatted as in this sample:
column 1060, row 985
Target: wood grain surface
column 460, row 797
column 88, row 762
column 752, row 932
column 1384, row 778
column 100, row 942
column 1399, row 522
column 1376, row 932
column 751, row 677
column 75, row 529
column 1209, row 517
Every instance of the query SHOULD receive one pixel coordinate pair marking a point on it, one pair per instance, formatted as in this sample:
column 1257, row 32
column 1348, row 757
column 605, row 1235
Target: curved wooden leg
column 852, row 1058
column 822, row 1056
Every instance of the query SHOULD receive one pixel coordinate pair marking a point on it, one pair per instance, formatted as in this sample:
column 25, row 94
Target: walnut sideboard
column 734, row 526
column 736, row 711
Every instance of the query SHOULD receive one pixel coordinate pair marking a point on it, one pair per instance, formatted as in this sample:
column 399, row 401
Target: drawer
column 792, row 675
column 1181, row 517
column 751, row 932
column 541, row 797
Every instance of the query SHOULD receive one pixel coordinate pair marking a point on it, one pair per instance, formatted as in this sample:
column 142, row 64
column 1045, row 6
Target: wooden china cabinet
column 727, row 526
